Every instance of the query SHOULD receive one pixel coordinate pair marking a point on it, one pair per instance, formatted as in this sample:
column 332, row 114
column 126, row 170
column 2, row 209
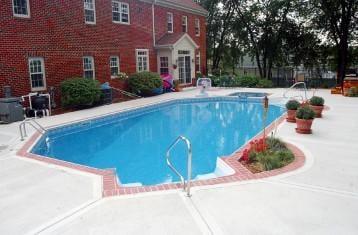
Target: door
column 184, row 65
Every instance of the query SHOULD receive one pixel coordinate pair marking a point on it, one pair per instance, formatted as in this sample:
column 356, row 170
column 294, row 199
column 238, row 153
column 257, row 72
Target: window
column 170, row 22
column 21, row 8
column 164, row 65
column 197, row 27
column 114, row 65
column 184, row 23
column 90, row 11
column 37, row 73
column 120, row 12
column 88, row 67
column 197, row 62
column 142, row 60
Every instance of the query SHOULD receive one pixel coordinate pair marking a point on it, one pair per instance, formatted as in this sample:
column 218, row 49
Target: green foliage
column 317, row 101
column 305, row 112
column 353, row 92
column 292, row 105
column 77, row 92
column 276, row 156
column 247, row 81
column 264, row 83
column 240, row 81
column 144, row 83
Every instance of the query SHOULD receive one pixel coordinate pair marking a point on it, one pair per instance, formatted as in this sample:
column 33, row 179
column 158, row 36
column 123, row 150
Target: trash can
column 11, row 110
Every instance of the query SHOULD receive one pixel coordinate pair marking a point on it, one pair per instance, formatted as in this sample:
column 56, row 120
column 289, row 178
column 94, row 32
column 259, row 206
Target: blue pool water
column 135, row 142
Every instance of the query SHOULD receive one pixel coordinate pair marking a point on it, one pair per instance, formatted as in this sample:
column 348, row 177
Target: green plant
column 353, row 91
column 292, row 105
column 77, row 92
column 275, row 156
column 247, row 81
column 317, row 101
column 264, row 83
column 305, row 112
column 144, row 83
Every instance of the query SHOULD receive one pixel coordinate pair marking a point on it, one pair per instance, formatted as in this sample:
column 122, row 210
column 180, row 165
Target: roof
column 170, row 39
column 186, row 5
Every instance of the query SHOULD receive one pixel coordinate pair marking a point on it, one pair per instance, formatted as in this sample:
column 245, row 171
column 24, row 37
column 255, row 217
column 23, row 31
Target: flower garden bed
column 266, row 155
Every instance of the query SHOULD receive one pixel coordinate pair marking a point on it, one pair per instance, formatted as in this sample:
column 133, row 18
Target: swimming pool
column 134, row 142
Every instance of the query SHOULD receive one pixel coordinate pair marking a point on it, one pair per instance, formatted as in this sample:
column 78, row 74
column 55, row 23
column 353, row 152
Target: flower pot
column 304, row 126
column 318, row 110
column 291, row 115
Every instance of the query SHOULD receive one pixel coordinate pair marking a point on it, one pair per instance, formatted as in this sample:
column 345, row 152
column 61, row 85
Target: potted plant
column 304, row 119
column 177, row 86
column 292, row 106
column 317, row 104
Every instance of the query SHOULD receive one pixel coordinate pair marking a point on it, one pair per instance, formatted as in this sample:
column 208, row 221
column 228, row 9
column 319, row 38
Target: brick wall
column 161, row 28
column 57, row 32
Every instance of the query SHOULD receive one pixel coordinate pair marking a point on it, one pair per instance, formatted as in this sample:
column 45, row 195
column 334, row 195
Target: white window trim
column 198, row 61
column 170, row 13
column 43, row 72
column 93, row 66
column 186, row 23
column 160, row 64
column 118, row 65
column 94, row 13
column 20, row 15
column 129, row 13
column 136, row 58
column 197, row 20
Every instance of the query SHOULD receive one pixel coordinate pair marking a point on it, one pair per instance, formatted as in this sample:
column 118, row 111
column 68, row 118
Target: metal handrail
column 34, row 124
column 291, row 87
column 127, row 93
column 186, row 185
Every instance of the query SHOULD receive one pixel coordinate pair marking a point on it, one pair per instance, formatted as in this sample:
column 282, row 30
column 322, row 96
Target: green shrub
column 144, row 83
column 353, row 91
column 247, row 81
column 264, row 83
column 292, row 105
column 77, row 92
column 305, row 112
column 317, row 101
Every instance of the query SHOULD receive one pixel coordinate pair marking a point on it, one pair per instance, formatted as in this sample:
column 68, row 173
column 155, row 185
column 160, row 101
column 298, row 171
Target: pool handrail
column 291, row 87
column 187, row 184
column 34, row 124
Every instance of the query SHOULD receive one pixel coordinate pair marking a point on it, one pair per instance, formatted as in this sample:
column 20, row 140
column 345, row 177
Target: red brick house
column 43, row 42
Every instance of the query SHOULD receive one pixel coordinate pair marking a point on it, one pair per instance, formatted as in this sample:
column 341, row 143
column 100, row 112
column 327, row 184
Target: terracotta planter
column 304, row 126
column 318, row 110
column 291, row 115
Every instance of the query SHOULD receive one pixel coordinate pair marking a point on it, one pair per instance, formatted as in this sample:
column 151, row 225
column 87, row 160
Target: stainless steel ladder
column 186, row 184
column 34, row 124
column 294, row 85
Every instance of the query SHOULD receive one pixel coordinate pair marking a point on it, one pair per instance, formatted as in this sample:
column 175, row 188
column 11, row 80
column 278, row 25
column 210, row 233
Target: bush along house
column 44, row 42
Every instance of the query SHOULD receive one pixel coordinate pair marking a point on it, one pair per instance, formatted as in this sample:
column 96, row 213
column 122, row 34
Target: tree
column 266, row 24
column 338, row 21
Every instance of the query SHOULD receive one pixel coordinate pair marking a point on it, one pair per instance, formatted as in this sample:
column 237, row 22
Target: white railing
column 186, row 184
column 34, row 124
column 298, row 96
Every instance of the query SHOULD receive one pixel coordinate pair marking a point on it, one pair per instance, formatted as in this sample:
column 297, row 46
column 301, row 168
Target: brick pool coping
column 111, row 187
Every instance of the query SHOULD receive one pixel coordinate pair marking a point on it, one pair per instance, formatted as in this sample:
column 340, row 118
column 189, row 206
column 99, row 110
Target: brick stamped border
column 112, row 188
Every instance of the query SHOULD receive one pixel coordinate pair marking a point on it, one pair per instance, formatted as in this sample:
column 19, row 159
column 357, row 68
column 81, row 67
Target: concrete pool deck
column 319, row 198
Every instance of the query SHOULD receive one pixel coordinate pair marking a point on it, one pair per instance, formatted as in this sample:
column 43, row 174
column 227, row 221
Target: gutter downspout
column 153, row 21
